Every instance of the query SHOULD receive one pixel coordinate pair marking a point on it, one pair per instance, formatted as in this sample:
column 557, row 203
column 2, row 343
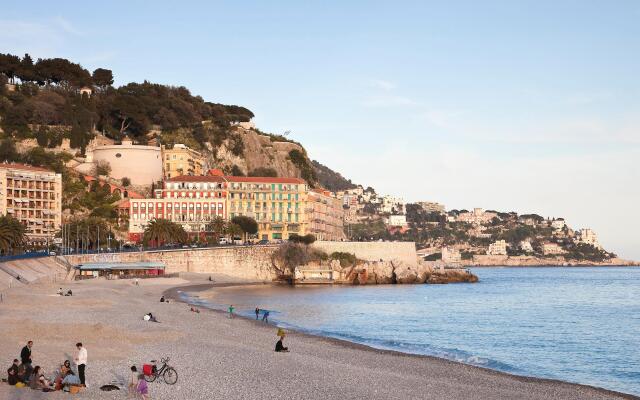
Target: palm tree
column 164, row 231
column 217, row 226
column 12, row 234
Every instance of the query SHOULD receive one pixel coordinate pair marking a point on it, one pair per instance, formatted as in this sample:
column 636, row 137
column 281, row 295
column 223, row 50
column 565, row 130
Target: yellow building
column 277, row 204
column 33, row 196
column 181, row 160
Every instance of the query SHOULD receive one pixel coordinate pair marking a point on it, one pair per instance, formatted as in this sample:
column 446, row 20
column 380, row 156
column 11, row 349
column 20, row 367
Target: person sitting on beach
column 37, row 380
column 69, row 293
column 195, row 310
column 265, row 316
column 279, row 347
column 150, row 317
column 162, row 300
column 133, row 382
column 65, row 370
column 12, row 373
column 60, row 293
column 142, row 389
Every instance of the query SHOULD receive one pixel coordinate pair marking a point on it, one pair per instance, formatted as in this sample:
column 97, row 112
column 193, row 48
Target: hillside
column 330, row 179
column 51, row 101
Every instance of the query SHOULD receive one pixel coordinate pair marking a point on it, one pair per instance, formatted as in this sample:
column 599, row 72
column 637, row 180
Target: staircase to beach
column 27, row 271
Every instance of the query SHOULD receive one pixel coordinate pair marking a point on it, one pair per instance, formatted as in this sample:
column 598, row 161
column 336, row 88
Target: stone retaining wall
column 241, row 262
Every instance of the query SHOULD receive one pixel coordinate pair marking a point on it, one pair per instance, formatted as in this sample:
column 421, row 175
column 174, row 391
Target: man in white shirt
column 81, row 362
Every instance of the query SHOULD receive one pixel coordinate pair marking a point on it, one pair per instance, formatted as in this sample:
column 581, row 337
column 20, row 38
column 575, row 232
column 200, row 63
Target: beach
column 221, row 358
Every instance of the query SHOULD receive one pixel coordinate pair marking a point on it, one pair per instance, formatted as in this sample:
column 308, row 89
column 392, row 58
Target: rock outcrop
column 396, row 272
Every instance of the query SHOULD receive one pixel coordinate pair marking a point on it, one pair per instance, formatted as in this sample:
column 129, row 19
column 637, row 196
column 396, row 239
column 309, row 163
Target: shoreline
column 173, row 294
column 221, row 358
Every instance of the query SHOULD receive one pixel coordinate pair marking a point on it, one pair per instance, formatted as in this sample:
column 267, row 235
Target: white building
column 525, row 246
column 390, row 204
column 588, row 236
column 558, row 224
column 498, row 248
column 477, row 216
column 397, row 220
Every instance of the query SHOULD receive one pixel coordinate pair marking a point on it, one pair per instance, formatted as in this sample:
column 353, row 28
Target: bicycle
column 168, row 373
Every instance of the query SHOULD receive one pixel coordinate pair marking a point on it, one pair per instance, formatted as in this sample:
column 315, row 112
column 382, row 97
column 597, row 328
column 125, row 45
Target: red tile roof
column 190, row 178
column 263, row 179
column 249, row 179
column 24, row 167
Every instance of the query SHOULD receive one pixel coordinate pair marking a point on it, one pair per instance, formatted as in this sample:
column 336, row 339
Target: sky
column 526, row 106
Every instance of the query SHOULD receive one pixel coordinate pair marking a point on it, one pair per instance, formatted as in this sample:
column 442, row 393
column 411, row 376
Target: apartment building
column 33, row 196
column 277, row 204
column 498, row 248
column 181, row 160
column 324, row 215
column 431, row 206
column 551, row 249
column 191, row 201
column 588, row 236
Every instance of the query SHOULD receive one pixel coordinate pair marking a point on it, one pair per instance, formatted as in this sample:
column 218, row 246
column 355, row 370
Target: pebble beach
column 221, row 358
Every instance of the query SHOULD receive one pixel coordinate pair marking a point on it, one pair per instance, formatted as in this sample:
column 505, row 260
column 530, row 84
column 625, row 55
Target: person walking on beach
column 81, row 362
column 265, row 316
column 257, row 313
column 231, row 311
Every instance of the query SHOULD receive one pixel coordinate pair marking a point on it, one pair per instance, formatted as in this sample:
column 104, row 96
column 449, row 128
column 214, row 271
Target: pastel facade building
column 277, row 204
column 551, row 249
column 33, row 196
column 431, row 206
column 324, row 215
column 181, row 160
column 588, row 236
column 497, row 248
column 477, row 216
column 397, row 220
column 141, row 164
column 191, row 201
column 525, row 246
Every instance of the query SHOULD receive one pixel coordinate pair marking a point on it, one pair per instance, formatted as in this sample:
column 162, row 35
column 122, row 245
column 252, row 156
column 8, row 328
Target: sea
column 575, row 324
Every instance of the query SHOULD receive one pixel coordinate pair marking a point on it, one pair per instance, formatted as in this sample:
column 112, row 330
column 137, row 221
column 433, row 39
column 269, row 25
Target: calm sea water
column 575, row 324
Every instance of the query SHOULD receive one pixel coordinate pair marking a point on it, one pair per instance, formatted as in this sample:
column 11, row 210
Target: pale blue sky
column 529, row 106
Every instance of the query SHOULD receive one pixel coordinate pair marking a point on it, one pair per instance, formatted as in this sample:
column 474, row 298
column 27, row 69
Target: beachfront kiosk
column 120, row 270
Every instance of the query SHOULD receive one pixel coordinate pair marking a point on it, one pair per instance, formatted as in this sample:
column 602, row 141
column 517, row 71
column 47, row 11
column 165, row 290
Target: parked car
column 224, row 241
column 263, row 242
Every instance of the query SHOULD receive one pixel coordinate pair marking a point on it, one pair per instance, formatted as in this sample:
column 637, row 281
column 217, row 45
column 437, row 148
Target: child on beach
column 265, row 316
column 231, row 311
column 133, row 382
column 142, row 389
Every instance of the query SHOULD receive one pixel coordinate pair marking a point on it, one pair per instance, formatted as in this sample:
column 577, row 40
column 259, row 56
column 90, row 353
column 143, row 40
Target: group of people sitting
column 62, row 293
column 22, row 375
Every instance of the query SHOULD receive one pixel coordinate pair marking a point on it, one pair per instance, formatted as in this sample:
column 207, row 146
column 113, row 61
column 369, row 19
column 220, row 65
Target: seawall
column 249, row 262
column 241, row 262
